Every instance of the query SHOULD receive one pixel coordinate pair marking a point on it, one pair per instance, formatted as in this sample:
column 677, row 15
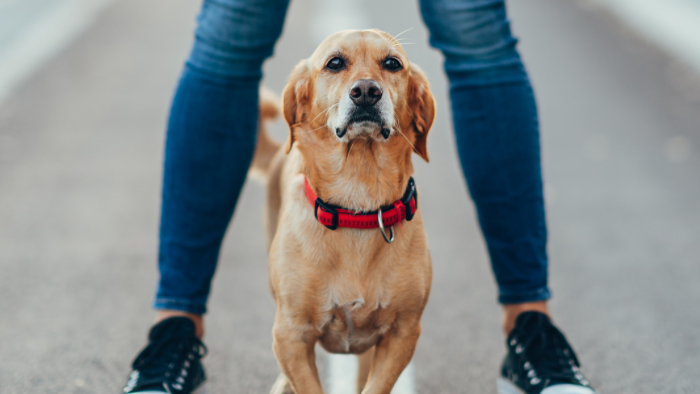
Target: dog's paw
column 281, row 386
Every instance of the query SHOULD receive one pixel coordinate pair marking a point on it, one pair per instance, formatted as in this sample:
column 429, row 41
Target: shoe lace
column 167, row 361
column 550, row 356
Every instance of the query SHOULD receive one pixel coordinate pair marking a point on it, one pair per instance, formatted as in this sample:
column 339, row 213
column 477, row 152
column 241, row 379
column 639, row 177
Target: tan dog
column 356, row 109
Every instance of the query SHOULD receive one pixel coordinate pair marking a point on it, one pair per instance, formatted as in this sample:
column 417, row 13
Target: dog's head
column 359, row 85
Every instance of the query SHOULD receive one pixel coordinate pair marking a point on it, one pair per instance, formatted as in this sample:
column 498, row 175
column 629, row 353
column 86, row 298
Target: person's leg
column 497, row 135
column 210, row 142
column 209, row 146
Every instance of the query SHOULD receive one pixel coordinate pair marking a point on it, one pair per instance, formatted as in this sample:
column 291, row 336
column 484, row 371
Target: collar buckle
column 411, row 194
column 328, row 209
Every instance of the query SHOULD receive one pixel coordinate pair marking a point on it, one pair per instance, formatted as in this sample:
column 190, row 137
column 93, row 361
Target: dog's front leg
column 294, row 350
column 392, row 355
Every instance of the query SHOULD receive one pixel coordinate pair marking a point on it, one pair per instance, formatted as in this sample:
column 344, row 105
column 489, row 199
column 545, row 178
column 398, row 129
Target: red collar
column 333, row 216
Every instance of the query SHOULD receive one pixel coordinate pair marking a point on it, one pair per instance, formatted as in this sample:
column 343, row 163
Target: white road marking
column 343, row 372
column 343, row 375
column 407, row 381
column 673, row 24
column 54, row 27
column 332, row 16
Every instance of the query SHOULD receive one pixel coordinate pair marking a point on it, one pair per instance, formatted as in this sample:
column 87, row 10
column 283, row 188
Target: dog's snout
column 365, row 92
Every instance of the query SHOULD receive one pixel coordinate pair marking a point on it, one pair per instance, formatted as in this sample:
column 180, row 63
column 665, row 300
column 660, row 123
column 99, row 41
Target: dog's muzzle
column 365, row 111
column 363, row 116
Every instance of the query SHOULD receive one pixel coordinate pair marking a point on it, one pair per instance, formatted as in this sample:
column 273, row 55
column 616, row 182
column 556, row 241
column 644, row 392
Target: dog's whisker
column 407, row 30
column 311, row 131
column 324, row 111
column 365, row 151
column 347, row 155
column 398, row 129
column 407, row 140
column 394, row 42
column 395, row 39
column 367, row 162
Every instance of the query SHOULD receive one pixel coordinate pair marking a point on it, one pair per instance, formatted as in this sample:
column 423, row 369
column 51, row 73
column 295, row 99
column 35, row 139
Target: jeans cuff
column 179, row 305
column 540, row 294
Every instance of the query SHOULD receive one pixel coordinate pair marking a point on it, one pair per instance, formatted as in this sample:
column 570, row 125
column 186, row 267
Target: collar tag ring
column 381, row 228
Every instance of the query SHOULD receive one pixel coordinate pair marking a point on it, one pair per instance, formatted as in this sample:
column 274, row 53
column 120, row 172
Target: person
column 210, row 144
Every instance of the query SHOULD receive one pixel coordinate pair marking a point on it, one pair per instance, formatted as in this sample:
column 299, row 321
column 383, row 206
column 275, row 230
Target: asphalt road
column 80, row 163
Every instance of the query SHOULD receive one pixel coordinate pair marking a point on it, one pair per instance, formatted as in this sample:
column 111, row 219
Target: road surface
column 81, row 145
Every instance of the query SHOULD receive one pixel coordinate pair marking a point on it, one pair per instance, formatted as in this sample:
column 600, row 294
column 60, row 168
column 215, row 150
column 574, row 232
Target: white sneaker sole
column 200, row 390
column 505, row 386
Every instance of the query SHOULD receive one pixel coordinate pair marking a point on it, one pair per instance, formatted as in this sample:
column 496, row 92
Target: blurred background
column 85, row 86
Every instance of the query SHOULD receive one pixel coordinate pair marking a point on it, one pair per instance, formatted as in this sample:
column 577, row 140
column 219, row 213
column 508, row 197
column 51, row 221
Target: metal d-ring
column 381, row 228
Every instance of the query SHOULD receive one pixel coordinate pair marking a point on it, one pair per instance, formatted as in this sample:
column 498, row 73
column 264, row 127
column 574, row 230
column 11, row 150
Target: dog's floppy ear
column 421, row 104
column 295, row 99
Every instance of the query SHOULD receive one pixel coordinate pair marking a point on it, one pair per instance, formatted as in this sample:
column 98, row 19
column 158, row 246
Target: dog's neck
column 362, row 175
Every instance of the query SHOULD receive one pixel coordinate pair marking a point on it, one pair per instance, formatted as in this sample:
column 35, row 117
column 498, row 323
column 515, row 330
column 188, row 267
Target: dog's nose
column 365, row 92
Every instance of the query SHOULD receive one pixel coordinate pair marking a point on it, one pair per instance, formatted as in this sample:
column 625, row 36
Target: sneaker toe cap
column 149, row 392
column 568, row 389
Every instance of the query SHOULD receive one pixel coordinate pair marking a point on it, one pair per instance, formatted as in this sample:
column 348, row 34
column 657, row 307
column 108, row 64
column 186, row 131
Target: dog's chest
column 355, row 317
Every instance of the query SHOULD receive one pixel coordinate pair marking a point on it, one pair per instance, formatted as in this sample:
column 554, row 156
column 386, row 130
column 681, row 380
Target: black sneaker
column 171, row 361
column 540, row 360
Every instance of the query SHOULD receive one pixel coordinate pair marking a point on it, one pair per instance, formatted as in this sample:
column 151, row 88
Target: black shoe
column 171, row 361
column 540, row 360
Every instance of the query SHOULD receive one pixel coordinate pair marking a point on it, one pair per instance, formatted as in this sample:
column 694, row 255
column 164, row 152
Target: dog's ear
column 295, row 100
column 422, row 106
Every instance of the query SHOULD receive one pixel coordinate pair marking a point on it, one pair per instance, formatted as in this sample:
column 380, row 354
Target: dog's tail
column 266, row 147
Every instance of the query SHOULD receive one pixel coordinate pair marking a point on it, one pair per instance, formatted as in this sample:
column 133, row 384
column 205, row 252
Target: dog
column 349, row 265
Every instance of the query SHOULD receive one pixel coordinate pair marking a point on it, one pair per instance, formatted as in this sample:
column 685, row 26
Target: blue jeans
column 211, row 139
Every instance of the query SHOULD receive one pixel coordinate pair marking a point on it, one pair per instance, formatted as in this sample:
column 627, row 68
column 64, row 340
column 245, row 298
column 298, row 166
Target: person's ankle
column 198, row 320
column 511, row 312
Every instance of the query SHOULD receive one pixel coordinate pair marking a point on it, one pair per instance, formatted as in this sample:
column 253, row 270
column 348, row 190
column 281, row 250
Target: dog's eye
column 391, row 64
column 335, row 64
